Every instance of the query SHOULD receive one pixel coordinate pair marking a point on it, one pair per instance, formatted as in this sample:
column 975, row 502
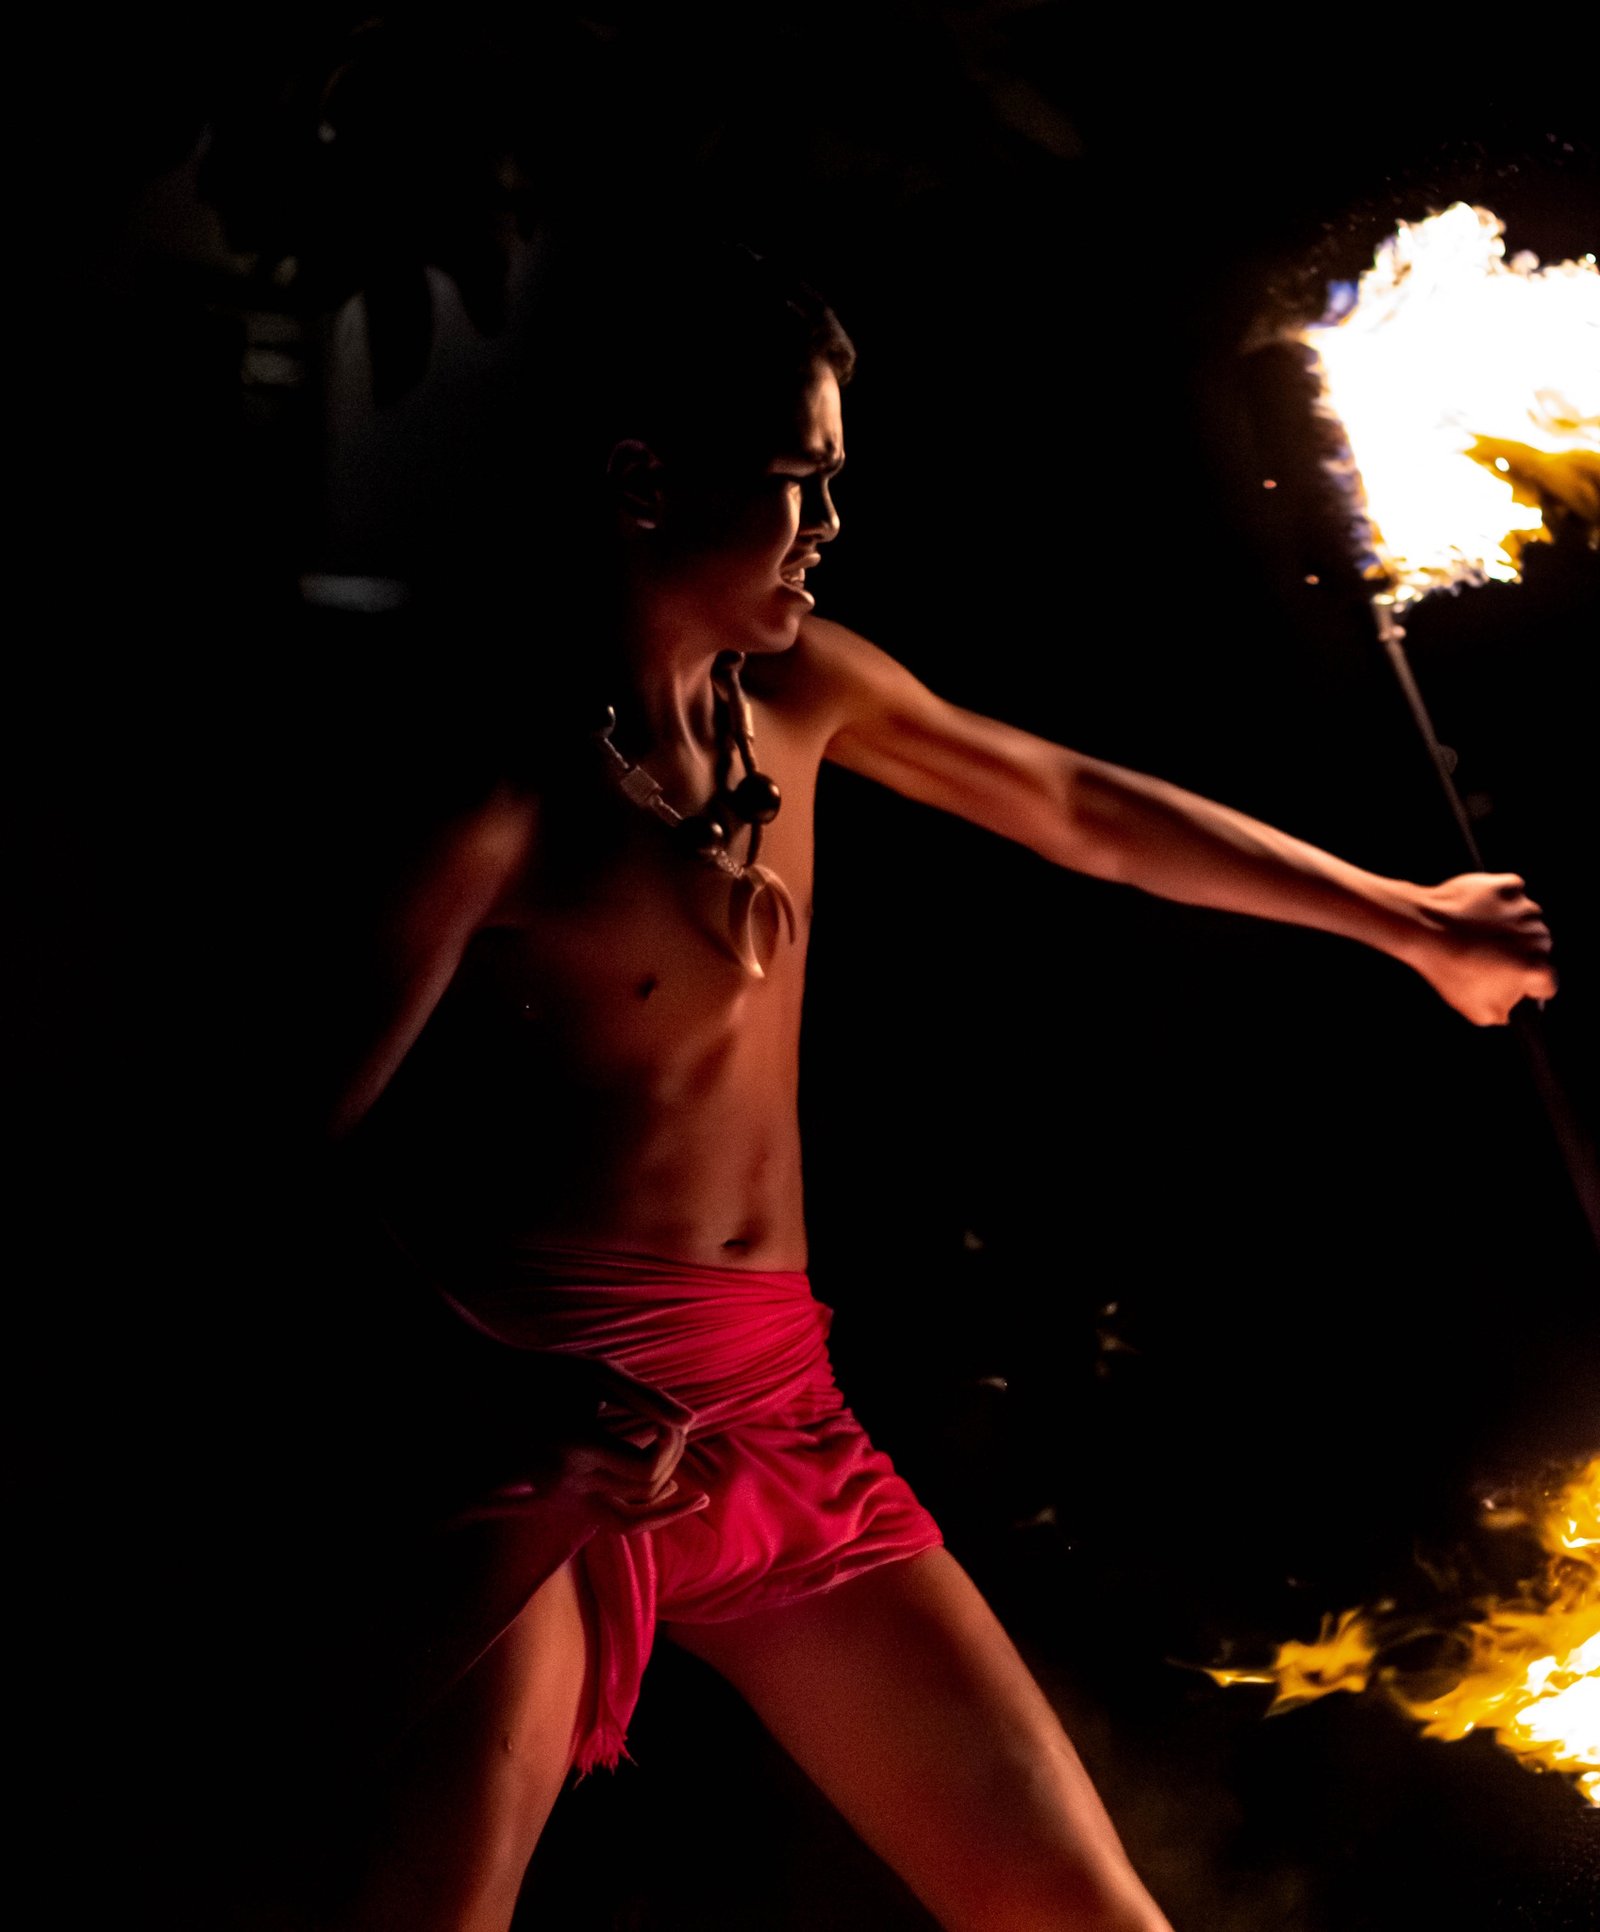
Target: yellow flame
column 1468, row 389
column 1531, row 1674
column 1340, row 1659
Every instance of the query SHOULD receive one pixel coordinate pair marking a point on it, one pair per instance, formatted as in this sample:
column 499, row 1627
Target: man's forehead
column 817, row 427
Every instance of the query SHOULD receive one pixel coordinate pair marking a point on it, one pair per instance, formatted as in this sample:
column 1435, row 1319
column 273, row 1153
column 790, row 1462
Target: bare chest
column 619, row 950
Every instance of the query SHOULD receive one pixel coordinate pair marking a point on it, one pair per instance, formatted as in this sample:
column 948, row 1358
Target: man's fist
column 1485, row 947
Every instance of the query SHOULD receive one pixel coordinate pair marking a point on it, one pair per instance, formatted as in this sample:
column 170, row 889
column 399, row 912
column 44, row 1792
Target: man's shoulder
column 822, row 671
column 477, row 850
column 834, row 650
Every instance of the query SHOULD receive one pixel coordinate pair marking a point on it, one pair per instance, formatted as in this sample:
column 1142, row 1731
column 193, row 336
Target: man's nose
column 820, row 518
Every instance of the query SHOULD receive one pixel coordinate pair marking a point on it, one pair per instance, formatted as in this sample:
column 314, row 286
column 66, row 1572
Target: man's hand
column 620, row 1465
column 1484, row 946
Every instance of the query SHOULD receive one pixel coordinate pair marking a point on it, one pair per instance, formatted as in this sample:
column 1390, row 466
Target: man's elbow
column 1091, row 820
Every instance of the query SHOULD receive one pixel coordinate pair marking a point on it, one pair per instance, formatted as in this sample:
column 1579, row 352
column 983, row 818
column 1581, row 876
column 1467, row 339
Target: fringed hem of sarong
column 601, row 1750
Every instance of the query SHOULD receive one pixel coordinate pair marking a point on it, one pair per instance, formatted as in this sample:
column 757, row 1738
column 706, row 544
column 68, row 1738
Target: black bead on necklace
column 753, row 803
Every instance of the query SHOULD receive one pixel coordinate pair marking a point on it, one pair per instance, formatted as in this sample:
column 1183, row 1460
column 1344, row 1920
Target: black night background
column 1203, row 1276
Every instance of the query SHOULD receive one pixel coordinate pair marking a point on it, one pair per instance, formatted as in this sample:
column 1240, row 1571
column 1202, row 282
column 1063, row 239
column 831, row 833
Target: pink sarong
column 800, row 1499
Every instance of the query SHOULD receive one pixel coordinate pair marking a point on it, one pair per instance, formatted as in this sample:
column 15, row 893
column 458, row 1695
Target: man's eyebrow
column 829, row 457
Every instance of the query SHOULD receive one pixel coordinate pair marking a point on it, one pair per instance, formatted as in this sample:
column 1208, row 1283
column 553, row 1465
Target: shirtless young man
column 567, row 957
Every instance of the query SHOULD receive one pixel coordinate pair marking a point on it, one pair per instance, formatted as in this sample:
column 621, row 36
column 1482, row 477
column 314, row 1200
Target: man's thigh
column 478, row 1776
column 905, row 1701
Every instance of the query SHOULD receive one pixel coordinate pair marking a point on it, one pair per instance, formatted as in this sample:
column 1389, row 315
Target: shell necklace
column 709, row 833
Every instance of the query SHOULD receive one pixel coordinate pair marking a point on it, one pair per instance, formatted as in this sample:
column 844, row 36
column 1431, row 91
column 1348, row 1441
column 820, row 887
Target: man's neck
column 668, row 699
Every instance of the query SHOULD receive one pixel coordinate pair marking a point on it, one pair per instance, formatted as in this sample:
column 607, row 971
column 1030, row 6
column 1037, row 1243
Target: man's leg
column 477, row 1779
column 905, row 1701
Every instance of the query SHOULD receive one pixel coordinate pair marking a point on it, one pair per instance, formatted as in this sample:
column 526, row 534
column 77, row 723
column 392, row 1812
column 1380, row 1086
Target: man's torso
column 602, row 1070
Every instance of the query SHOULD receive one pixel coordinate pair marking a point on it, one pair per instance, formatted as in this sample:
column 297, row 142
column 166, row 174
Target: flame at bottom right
column 1523, row 1666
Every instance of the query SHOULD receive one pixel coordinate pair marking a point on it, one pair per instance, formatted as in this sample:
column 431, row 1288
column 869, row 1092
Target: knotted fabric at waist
column 731, row 1343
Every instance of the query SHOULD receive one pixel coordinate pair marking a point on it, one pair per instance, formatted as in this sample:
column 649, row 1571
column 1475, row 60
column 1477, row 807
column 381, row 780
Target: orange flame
column 1531, row 1674
column 1468, row 391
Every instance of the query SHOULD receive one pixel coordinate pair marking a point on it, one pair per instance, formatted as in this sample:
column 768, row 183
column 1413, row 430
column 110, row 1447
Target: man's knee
column 1046, row 1858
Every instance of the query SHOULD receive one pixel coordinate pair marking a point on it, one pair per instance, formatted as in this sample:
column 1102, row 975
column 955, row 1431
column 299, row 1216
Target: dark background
column 1270, row 1250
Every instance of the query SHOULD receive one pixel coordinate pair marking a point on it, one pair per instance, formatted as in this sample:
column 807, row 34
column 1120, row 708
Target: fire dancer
column 593, row 1146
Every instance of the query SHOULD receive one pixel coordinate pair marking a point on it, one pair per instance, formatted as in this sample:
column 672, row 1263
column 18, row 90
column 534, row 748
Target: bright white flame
column 1564, row 1711
column 1468, row 388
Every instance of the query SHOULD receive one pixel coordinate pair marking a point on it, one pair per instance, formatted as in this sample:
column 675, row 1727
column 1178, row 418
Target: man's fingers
column 660, row 1458
column 1539, row 987
column 644, row 1468
column 630, row 1518
column 628, row 1514
column 638, row 1398
column 625, row 1455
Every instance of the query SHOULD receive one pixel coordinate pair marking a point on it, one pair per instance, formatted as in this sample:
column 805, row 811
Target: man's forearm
column 1141, row 831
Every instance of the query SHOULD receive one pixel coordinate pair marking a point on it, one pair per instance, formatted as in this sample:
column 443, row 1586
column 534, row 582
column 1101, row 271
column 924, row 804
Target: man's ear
column 635, row 474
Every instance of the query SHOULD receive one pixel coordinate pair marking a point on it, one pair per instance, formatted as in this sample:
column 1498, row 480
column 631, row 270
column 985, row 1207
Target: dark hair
column 697, row 348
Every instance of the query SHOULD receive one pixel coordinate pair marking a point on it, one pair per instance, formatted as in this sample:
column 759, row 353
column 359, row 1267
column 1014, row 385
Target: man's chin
column 766, row 640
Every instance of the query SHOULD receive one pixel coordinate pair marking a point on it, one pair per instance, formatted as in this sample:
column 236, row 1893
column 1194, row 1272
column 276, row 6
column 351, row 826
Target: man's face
column 746, row 539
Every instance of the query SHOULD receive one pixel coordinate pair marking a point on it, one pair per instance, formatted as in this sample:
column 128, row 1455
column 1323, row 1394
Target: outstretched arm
column 1478, row 938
